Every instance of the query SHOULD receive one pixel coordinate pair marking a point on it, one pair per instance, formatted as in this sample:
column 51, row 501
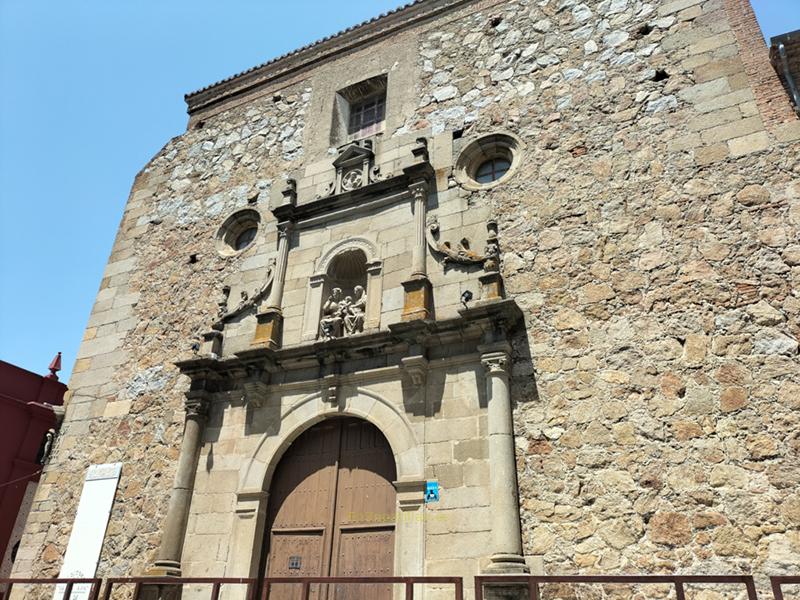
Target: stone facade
column 649, row 234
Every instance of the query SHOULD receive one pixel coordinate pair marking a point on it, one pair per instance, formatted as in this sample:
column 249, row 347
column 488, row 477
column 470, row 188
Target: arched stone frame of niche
column 252, row 498
column 319, row 284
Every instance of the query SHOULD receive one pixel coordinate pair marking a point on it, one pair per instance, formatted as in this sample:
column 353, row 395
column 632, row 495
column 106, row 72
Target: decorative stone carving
column 196, row 405
column 343, row 316
column 355, row 168
column 460, row 253
column 495, row 363
column 492, row 252
column 355, row 311
column 330, row 325
column 247, row 301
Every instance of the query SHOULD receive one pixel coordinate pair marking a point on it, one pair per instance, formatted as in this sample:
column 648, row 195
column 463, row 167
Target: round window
column 245, row 238
column 488, row 161
column 238, row 232
column 492, row 170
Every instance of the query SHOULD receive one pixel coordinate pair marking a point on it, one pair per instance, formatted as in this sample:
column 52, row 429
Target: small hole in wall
column 252, row 199
column 495, row 21
column 458, row 134
column 200, row 124
column 192, row 259
column 277, row 98
column 660, row 75
column 644, row 30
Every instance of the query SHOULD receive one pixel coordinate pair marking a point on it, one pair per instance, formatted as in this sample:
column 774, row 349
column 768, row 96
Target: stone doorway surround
column 252, row 497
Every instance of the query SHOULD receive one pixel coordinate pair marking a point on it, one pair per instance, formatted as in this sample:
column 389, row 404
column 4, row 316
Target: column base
column 269, row 329
column 417, row 299
column 506, row 564
column 164, row 568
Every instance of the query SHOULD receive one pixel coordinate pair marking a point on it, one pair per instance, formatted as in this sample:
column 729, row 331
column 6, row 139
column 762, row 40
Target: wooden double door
column 332, row 511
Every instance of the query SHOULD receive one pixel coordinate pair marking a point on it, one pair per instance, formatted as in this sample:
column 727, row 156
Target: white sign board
column 89, row 528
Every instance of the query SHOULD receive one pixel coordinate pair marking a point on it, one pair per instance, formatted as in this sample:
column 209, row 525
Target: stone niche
column 347, row 266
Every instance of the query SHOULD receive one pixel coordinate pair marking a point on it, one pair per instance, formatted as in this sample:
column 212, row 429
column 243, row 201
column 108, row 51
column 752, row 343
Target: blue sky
column 91, row 89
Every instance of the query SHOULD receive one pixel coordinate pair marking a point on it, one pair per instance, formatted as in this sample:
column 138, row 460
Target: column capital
column 196, row 405
column 496, row 363
column 285, row 228
column 419, row 189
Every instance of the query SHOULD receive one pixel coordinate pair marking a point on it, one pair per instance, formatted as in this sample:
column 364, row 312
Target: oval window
column 246, row 238
column 238, row 232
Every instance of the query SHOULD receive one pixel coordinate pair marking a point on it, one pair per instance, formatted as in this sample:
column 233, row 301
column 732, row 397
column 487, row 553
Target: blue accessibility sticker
column 431, row 491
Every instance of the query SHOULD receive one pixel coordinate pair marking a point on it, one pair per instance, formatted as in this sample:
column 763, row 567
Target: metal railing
column 533, row 582
column 94, row 590
column 777, row 582
column 407, row 582
column 216, row 584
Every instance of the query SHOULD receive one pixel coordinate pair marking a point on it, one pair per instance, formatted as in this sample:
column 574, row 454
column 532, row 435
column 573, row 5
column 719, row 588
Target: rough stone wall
column 651, row 238
column 126, row 396
column 652, row 242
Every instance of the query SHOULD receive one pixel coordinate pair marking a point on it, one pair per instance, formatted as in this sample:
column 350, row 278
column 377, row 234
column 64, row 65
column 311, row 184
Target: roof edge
column 354, row 36
column 785, row 37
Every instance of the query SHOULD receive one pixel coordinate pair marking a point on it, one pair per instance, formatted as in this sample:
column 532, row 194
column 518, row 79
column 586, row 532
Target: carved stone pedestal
column 417, row 299
column 269, row 329
column 159, row 592
column 508, row 591
column 491, row 286
column 212, row 344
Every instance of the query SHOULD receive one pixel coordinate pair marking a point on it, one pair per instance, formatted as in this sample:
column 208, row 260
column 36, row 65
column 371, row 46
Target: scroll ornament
column 460, row 253
column 246, row 302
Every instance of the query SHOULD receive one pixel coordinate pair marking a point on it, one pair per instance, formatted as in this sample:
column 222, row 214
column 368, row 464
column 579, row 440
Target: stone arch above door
column 256, row 474
column 317, row 284
column 364, row 404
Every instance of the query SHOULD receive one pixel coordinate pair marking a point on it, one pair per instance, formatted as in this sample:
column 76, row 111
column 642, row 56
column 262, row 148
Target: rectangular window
column 359, row 110
column 365, row 116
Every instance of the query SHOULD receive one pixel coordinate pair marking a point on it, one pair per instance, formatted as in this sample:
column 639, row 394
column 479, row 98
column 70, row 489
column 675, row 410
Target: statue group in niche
column 343, row 316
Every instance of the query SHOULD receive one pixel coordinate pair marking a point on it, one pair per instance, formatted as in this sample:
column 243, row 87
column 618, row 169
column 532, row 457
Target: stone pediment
column 354, row 154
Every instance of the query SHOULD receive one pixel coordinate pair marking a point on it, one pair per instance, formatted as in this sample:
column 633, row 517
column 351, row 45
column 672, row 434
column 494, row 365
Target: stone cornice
column 385, row 191
column 476, row 325
column 307, row 56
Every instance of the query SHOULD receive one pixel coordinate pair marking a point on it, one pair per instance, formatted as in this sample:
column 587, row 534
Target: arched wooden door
column 332, row 511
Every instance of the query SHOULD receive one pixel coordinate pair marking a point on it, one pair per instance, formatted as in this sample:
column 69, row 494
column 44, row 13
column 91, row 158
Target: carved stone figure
column 330, row 325
column 355, row 312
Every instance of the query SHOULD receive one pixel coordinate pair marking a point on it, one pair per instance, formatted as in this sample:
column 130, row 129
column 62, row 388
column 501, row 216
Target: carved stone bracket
column 416, row 367
column 255, row 393
column 329, row 389
column 460, row 253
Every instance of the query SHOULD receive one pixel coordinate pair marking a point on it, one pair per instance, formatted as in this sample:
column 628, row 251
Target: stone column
column 168, row 562
column 419, row 192
column 506, row 535
column 270, row 321
column 418, row 298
